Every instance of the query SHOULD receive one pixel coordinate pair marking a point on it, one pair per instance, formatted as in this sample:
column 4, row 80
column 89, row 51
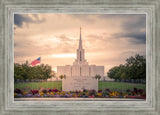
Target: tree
column 113, row 73
column 24, row 71
column 62, row 77
column 134, row 68
column 137, row 67
column 98, row 77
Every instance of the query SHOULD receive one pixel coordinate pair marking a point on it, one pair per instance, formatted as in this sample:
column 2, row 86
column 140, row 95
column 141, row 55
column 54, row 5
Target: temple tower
column 80, row 53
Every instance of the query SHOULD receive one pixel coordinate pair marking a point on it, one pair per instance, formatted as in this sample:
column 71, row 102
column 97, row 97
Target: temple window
column 80, row 55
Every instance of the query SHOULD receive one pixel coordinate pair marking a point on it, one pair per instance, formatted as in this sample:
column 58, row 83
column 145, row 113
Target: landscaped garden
column 106, row 90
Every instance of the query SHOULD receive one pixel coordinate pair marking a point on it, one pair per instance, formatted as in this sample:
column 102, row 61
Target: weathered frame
column 7, row 104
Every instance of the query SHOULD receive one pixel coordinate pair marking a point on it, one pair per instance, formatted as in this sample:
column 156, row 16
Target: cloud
column 135, row 23
column 63, row 37
column 134, row 28
column 107, row 39
column 94, row 36
column 33, row 45
column 136, row 38
column 19, row 19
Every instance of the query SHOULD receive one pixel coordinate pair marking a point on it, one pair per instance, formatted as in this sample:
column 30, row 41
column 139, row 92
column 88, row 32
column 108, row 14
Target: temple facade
column 80, row 67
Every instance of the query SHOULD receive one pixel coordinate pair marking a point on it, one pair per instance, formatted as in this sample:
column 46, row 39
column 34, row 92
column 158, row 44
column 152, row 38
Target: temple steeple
column 80, row 52
column 80, row 40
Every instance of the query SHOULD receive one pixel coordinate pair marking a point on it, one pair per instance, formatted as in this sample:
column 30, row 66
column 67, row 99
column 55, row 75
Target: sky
column 108, row 39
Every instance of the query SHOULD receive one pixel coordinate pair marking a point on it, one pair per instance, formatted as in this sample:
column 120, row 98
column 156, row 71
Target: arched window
column 80, row 55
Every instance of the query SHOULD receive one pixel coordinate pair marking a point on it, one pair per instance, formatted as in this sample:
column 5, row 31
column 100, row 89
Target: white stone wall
column 80, row 70
column 60, row 70
column 68, row 70
column 64, row 70
column 75, row 70
column 85, row 70
column 92, row 70
column 79, row 83
column 96, row 70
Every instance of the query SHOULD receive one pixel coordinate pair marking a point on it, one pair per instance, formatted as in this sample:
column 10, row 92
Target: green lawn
column 120, row 86
column 101, row 85
column 36, row 85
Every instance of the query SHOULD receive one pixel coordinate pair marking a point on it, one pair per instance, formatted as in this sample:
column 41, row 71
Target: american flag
column 38, row 60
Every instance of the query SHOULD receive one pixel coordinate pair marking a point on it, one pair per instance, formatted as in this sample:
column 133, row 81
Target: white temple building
column 80, row 69
column 80, row 66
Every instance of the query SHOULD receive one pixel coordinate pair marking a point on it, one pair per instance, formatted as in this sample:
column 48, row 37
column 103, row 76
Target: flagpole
column 32, row 78
column 41, row 78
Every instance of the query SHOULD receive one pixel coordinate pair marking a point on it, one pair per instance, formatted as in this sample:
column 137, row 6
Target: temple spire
column 80, row 53
column 80, row 40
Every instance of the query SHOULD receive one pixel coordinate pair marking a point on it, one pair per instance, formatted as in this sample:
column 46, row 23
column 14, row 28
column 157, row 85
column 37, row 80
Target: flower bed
column 54, row 93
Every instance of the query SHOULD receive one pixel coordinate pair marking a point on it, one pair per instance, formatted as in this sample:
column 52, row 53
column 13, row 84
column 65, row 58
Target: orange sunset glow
column 108, row 39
